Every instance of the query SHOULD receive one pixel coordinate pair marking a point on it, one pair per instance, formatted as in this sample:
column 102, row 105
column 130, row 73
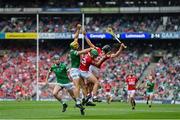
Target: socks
column 91, row 99
column 62, row 102
column 78, row 101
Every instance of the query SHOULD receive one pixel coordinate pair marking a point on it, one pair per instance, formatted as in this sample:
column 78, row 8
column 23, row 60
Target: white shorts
column 149, row 93
column 18, row 93
column 68, row 86
column 85, row 74
column 94, row 70
column 74, row 73
column 131, row 93
column 108, row 93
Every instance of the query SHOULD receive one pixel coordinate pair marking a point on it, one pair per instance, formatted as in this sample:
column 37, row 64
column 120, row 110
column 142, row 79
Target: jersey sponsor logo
column 83, row 61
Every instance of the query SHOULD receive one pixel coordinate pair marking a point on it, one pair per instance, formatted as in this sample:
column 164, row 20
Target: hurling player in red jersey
column 131, row 81
column 85, row 62
column 105, row 53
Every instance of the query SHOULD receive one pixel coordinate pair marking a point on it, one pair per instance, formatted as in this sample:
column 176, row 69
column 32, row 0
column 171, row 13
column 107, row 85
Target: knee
column 131, row 97
column 55, row 93
column 97, row 82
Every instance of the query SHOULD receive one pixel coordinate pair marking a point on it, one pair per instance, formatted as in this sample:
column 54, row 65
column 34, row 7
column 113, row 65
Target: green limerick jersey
column 60, row 71
column 75, row 58
column 151, row 86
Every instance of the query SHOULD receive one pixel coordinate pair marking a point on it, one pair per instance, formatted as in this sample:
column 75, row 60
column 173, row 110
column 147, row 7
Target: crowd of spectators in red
column 18, row 70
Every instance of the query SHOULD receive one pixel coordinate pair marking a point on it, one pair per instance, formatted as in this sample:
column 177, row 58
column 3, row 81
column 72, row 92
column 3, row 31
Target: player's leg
column 96, row 72
column 151, row 99
column 75, row 76
column 129, row 98
column 56, row 94
column 90, row 86
column 95, row 81
column 109, row 98
column 70, row 89
column 85, row 91
column 134, row 103
column 89, row 77
column 147, row 97
column 18, row 96
column 84, row 88
column 132, row 100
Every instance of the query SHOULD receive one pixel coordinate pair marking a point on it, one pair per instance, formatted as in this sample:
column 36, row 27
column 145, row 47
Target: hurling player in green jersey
column 150, row 89
column 75, row 62
column 61, row 72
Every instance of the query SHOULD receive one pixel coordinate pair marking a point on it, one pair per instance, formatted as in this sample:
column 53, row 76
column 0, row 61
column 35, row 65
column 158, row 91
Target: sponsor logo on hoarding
column 21, row 36
column 170, row 35
column 99, row 36
column 135, row 35
column 55, row 35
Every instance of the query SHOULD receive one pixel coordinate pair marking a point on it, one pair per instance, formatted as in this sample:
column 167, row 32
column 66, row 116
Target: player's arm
column 76, row 36
column 118, row 52
column 146, row 85
column 99, row 62
column 47, row 76
column 84, row 51
column 88, row 40
column 155, row 80
column 140, row 85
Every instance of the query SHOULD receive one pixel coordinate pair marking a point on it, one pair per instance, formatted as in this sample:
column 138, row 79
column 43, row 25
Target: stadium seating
column 120, row 23
column 87, row 3
column 18, row 67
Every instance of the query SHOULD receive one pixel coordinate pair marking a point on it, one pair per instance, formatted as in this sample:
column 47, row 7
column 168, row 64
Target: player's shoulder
column 73, row 52
column 98, row 49
column 135, row 77
column 88, row 57
column 62, row 64
column 54, row 65
column 147, row 81
column 128, row 76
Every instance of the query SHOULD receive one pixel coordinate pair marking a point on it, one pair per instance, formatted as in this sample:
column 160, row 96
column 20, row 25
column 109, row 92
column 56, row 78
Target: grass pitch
column 115, row 110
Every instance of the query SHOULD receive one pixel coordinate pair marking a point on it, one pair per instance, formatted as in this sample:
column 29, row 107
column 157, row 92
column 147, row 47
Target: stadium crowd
column 18, row 70
column 167, row 75
column 17, row 24
column 120, row 23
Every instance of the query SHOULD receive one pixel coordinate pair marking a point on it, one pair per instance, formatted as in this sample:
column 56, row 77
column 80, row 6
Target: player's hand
column 46, row 83
column 79, row 26
column 122, row 45
column 109, row 30
column 137, row 88
column 84, row 32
